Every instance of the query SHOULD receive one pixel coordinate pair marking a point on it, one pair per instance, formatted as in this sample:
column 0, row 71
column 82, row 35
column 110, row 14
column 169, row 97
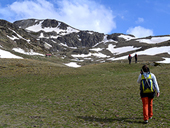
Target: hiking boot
column 146, row 121
column 150, row 117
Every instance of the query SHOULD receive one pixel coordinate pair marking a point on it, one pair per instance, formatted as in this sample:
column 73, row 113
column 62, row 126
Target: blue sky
column 138, row 17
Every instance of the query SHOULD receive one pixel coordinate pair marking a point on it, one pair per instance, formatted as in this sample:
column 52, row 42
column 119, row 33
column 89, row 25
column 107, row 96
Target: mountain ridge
column 55, row 37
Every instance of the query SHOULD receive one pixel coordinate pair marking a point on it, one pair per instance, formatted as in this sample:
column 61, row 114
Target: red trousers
column 147, row 107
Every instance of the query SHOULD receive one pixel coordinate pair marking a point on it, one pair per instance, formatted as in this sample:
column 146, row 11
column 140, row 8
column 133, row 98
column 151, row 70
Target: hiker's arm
column 139, row 79
column 155, row 83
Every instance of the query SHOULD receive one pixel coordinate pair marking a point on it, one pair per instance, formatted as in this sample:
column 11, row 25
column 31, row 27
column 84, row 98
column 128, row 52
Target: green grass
column 41, row 94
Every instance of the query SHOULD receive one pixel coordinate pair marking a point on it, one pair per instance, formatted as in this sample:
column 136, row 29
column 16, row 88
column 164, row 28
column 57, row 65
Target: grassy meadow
column 45, row 94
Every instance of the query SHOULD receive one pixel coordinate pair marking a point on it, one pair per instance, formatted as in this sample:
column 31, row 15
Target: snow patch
column 96, row 49
column 6, row 54
column 47, row 46
column 19, row 50
column 126, row 37
column 120, row 50
column 90, row 33
column 100, row 55
column 82, row 55
column 41, row 35
column 20, row 37
column 154, row 40
column 13, row 37
column 105, row 40
column 155, row 50
column 150, row 51
column 166, row 60
column 73, row 64
column 38, row 27
column 54, row 37
column 65, row 45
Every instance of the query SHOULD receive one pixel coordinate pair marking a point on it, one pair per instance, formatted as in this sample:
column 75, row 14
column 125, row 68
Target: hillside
column 33, row 37
column 44, row 94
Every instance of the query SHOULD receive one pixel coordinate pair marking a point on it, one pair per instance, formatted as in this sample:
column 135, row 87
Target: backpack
column 147, row 84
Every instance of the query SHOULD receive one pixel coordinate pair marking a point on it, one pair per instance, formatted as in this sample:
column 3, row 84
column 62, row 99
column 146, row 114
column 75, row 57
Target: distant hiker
column 129, row 58
column 148, row 85
column 48, row 55
column 136, row 58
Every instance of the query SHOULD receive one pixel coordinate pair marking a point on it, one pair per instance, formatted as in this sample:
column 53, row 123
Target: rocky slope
column 55, row 37
column 13, row 37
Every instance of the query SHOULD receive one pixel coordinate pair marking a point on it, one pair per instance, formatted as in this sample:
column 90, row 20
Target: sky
column 140, row 18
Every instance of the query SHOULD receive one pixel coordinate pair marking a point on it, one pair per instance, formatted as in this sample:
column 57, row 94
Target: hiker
column 129, row 58
column 136, row 58
column 148, row 85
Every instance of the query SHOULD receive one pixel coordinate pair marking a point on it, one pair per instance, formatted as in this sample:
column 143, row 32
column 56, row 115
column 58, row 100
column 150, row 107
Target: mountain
column 40, row 37
column 12, row 37
column 58, row 34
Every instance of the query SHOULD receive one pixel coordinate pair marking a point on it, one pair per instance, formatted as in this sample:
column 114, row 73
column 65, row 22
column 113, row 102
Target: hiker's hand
column 158, row 94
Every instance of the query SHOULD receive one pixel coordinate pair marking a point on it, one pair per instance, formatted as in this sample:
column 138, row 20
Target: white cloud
column 81, row 14
column 140, row 20
column 87, row 15
column 33, row 9
column 140, row 32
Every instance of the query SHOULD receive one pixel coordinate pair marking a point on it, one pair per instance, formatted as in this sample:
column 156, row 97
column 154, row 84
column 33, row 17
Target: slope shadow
column 107, row 120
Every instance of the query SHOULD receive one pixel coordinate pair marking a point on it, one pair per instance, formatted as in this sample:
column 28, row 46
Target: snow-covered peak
column 39, row 26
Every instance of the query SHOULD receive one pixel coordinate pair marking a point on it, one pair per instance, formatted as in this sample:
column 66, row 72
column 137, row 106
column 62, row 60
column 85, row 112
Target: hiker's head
column 145, row 68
